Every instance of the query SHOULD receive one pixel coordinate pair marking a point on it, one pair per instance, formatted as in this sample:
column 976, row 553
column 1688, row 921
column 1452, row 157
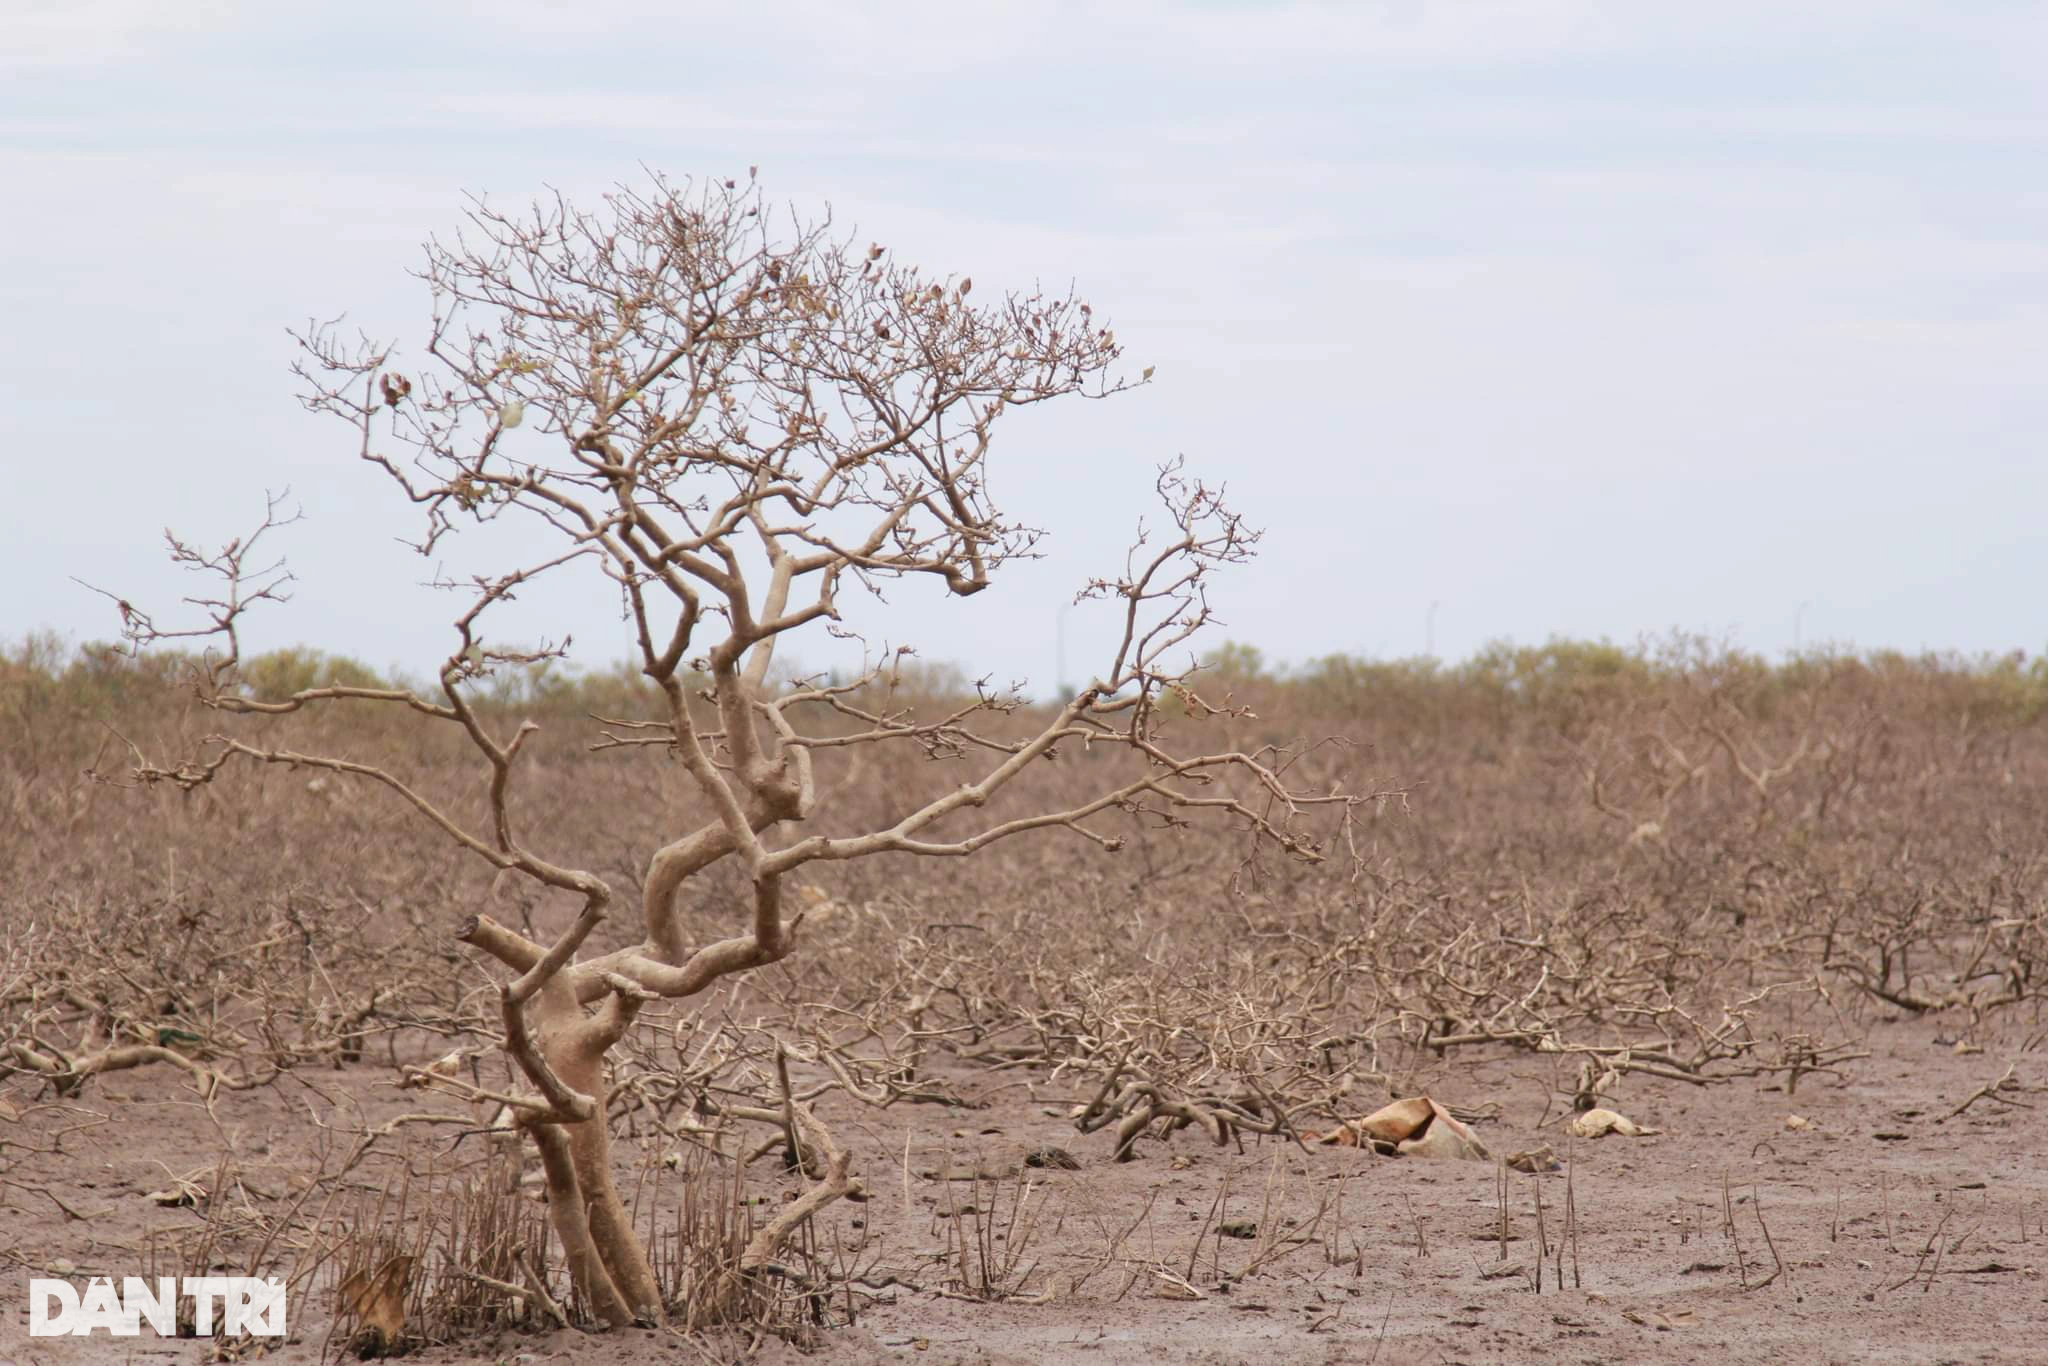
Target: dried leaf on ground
column 375, row 1299
column 1414, row 1127
column 1594, row 1123
column 1051, row 1158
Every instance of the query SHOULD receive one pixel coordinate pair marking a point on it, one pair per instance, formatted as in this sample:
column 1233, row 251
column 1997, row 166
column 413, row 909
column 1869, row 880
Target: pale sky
column 1572, row 317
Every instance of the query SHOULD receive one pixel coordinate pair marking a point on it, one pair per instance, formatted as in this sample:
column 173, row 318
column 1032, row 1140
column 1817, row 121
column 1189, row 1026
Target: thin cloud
column 1481, row 302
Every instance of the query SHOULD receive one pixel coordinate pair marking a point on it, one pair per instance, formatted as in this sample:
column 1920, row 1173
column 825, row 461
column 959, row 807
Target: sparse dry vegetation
column 354, row 939
column 275, row 949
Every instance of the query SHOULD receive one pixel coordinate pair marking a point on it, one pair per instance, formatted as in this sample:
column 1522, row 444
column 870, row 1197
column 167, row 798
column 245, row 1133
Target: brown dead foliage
column 1696, row 869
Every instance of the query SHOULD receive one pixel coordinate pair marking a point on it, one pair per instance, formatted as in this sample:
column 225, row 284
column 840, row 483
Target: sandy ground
column 1895, row 1233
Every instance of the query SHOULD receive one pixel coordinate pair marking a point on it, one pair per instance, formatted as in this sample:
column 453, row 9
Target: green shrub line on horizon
column 1561, row 677
column 1566, row 676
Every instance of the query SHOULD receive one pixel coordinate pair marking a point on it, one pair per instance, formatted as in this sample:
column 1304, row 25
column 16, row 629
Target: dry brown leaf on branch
column 448, row 1065
column 1595, row 1123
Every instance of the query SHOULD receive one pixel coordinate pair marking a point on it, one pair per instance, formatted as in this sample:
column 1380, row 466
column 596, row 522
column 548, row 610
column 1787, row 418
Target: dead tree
column 735, row 424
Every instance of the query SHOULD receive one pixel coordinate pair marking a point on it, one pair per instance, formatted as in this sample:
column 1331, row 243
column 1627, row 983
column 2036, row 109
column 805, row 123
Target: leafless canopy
column 733, row 421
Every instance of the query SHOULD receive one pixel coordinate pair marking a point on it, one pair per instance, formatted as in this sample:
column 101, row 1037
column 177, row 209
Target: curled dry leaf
column 448, row 1065
column 375, row 1299
column 1536, row 1160
column 1798, row 1122
column 1594, row 1123
column 1055, row 1159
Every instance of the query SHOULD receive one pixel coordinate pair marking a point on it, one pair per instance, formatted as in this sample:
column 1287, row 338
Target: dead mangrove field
column 1714, row 986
